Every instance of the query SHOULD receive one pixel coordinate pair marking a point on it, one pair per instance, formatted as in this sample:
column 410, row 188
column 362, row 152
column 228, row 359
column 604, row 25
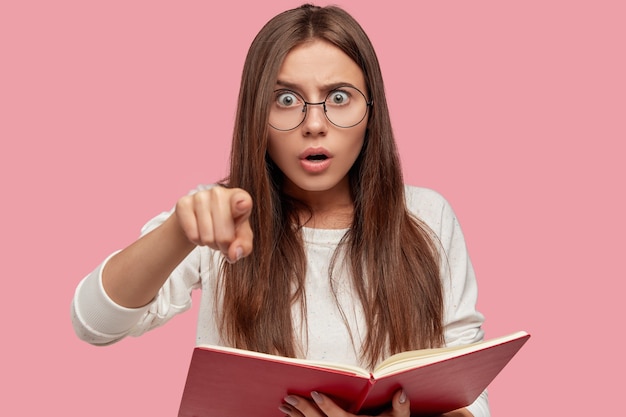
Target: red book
column 229, row 382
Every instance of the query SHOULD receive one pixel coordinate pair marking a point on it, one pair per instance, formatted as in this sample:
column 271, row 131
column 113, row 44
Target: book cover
column 230, row 382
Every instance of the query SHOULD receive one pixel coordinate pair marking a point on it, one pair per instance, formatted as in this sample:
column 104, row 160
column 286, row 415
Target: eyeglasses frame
column 368, row 104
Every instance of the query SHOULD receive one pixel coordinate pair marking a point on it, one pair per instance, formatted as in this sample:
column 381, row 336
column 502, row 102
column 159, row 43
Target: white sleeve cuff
column 102, row 320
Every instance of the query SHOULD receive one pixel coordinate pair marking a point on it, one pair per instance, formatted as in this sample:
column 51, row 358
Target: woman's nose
column 315, row 121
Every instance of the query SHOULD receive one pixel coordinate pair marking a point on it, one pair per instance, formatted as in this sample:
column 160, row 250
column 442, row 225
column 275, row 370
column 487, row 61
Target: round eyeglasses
column 344, row 107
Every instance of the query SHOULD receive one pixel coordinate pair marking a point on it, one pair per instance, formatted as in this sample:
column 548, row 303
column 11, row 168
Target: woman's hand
column 322, row 406
column 217, row 218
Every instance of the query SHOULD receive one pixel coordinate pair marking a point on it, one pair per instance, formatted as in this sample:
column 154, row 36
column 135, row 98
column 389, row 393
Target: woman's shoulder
column 430, row 206
column 424, row 198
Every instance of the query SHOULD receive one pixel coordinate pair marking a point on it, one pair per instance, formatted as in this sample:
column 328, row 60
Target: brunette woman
column 313, row 246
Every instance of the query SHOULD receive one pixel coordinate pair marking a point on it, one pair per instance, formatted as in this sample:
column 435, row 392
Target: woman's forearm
column 133, row 277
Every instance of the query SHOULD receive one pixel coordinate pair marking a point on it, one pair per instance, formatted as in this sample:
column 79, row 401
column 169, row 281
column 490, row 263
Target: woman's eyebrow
column 324, row 87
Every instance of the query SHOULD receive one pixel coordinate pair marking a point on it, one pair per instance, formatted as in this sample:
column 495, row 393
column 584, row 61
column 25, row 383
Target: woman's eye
column 287, row 99
column 338, row 98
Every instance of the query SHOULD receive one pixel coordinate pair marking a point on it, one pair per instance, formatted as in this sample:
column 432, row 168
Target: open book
column 229, row 382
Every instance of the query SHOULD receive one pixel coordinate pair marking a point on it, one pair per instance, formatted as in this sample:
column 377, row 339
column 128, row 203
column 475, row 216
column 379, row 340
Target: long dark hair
column 393, row 257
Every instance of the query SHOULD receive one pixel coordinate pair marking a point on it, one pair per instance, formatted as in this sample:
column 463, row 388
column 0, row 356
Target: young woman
column 313, row 246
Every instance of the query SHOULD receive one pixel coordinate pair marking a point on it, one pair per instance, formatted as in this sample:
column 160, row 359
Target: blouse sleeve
column 462, row 322
column 98, row 320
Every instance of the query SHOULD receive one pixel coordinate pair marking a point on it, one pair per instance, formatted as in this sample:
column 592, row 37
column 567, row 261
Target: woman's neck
column 329, row 209
column 337, row 217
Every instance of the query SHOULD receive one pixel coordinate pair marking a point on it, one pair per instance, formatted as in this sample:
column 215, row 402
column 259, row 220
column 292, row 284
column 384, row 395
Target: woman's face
column 316, row 156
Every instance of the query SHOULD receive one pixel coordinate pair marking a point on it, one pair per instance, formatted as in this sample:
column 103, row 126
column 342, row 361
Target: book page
column 355, row 370
column 415, row 358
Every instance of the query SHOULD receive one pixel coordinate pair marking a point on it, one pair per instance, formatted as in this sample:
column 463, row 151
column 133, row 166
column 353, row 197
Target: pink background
column 515, row 111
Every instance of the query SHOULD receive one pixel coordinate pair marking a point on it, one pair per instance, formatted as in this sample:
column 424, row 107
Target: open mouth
column 315, row 161
column 318, row 157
